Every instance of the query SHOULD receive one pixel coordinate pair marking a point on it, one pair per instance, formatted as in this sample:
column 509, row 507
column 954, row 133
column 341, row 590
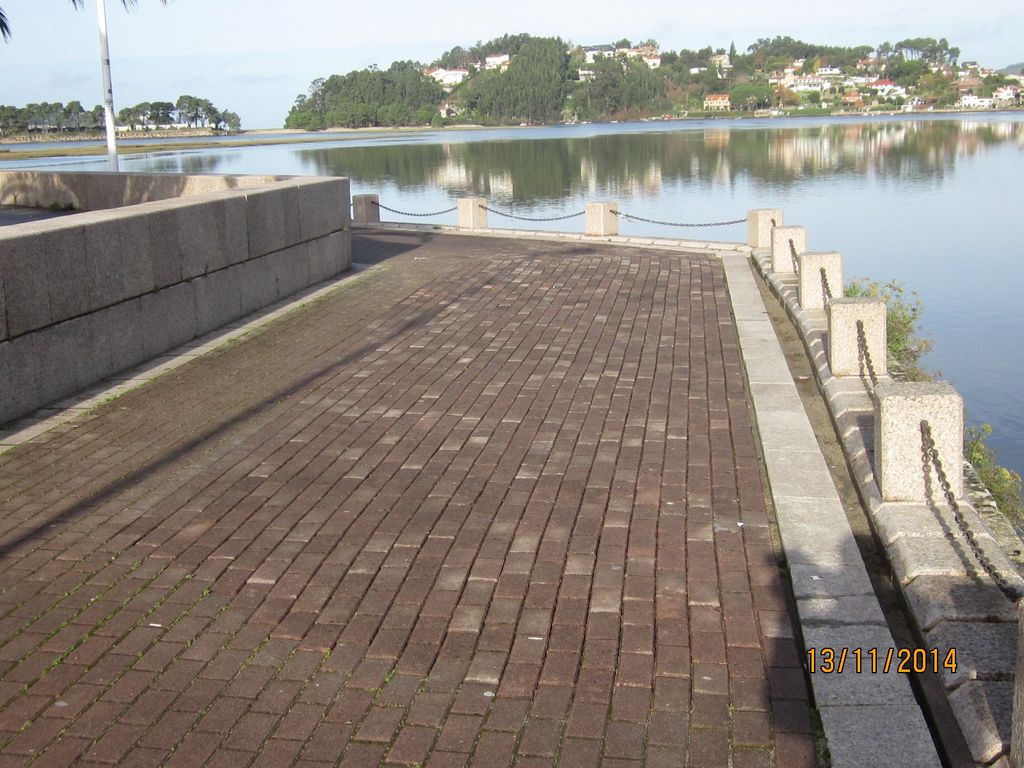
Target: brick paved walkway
column 490, row 501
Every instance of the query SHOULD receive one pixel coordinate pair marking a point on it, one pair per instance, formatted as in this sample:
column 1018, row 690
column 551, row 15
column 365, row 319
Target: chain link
column 863, row 353
column 930, row 455
column 407, row 213
column 508, row 215
column 826, row 291
column 792, row 255
column 631, row 217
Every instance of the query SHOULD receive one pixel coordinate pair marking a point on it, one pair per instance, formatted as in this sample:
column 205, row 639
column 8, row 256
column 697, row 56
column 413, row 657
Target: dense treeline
column 466, row 58
column 400, row 95
column 55, row 117
column 548, row 80
column 533, row 89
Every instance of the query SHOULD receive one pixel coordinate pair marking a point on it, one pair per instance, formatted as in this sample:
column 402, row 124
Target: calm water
column 933, row 203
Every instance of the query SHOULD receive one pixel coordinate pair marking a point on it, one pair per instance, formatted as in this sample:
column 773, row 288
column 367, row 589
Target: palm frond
column 5, row 28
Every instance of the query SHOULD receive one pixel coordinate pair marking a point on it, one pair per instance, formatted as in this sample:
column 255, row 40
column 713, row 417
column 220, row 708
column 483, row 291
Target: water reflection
column 182, row 162
column 643, row 163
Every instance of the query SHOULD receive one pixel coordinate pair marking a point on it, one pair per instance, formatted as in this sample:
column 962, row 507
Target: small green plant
column 903, row 312
column 1004, row 484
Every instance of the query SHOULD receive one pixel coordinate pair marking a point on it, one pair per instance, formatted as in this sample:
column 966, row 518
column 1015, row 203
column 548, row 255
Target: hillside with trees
column 400, row 95
column 519, row 78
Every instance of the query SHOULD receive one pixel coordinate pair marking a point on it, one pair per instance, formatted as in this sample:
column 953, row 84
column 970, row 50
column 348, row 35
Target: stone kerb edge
column 986, row 727
column 825, row 566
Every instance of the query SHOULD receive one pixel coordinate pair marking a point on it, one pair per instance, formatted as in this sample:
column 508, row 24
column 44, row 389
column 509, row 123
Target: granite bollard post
column 601, row 220
column 811, row 288
column 366, row 209
column 759, row 226
column 845, row 355
column 900, row 409
column 782, row 253
column 472, row 213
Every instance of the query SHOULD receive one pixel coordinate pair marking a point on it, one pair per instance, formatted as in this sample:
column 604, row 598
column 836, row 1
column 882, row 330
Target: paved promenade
column 490, row 502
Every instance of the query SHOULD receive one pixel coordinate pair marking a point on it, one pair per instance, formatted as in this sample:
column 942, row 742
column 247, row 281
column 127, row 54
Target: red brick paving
column 494, row 502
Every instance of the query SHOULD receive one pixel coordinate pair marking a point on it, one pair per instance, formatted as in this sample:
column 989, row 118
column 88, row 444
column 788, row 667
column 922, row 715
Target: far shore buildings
column 717, row 102
column 448, row 78
column 498, row 61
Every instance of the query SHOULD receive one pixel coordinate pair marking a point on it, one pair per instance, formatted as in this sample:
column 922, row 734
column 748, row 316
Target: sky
column 254, row 57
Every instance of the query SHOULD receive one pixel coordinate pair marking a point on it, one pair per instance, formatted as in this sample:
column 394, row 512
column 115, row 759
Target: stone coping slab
column 867, row 719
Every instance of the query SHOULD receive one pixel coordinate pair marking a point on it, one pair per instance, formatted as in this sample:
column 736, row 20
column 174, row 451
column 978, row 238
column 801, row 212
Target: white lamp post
column 108, row 91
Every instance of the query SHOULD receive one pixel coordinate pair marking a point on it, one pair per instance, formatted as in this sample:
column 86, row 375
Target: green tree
column 161, row 112
column 74, row 115
column 189, row 110
column 231, row 120
column 750, row 96
column 128, row 116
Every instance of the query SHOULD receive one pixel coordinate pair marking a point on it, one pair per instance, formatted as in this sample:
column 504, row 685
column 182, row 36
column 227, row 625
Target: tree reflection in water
column 549, row 170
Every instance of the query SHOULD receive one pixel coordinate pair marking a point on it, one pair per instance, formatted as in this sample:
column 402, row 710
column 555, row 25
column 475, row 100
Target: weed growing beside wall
column 903, row 311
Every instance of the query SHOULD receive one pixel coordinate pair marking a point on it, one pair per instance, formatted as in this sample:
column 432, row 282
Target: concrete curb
column 868, row 719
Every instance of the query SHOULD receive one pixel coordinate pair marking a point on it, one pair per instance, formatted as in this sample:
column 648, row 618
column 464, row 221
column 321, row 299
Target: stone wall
column 100, row 191
column 86, row 295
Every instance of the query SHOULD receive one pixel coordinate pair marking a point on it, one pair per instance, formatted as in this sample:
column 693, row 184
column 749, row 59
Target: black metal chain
column 792, row 254
column 773, row 223
column 826, row 291
column 508, row 215
column 863, row 353
column 931, row 458
column 631, row 217
column 407, row 213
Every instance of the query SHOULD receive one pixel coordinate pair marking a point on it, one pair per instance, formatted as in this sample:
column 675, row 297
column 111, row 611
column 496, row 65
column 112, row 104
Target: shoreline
column 206, row 139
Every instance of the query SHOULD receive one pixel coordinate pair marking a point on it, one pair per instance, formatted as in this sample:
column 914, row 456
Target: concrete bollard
column 900, row 407
column 782, row 256
column 811, row 288
column 366, row 209
column 601, row 221
column 845, row 357
column 1017, row 727
column 472, row 214
column 759, row 226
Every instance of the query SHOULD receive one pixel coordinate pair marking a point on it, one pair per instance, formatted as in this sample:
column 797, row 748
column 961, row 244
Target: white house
column 716, row 102
column 808, row 83
column 970, row 101
column 829, row 72
column 593, row 52
column 652, row 61
column 1005, row 95
column 499, row 61
column 886, row 88
column 448, row 77
column 721, row 62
